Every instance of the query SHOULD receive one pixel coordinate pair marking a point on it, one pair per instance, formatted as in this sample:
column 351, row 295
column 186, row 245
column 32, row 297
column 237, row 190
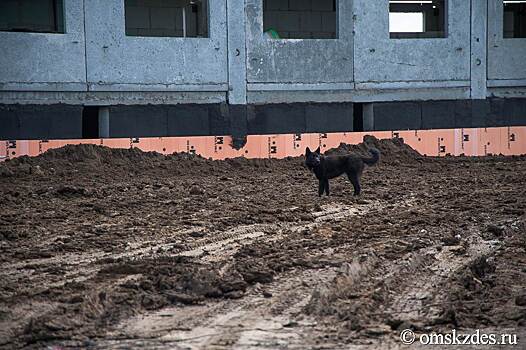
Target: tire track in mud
column 421, row 296
column 227, row 243
column 214, row 247
column 260, row 322
column 210, row 243
column 243, row 322
column 253, row 322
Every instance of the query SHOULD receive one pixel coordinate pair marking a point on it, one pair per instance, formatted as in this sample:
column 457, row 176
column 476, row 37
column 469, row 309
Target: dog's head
column 312, row 159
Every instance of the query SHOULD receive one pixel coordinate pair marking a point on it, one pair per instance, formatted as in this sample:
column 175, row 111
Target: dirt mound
column 93, row 155
column 392, row 151
column 95, row 158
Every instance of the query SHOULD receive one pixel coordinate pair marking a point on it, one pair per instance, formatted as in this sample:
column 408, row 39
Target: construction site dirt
column 117, row 249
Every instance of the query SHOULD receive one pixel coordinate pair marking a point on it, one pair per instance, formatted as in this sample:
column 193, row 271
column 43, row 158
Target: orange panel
column 80, row 142
column 116, row 143
column 333, row 140
column 45, row 145
column 298, row 143
column 85, row 142
column 255, row 147
column 506, row 137
column 12, row 149
column 295, row 145
column 518, row 147
column 281, row 142
column 3, row 150
column 520, row 138
column 205, row 146
column 430, row 142
column 323, row 141
column 446, row 142
column 381, row 135
column 458, row 137
column 437, row 142
column 224, row 149
column 29, row 148
column 149, row 144
column 470, row 142
column 513, row 140
column 313, row 141
column 491, row 141
column 411, row 138
column 274, row 146
column 17, row 148
column 201, row 145
column 173, row 145
column 354, row 138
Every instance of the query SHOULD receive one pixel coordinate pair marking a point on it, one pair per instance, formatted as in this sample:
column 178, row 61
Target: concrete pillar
column 237, row 69
column 479, row 48
column 368, row 117
column 104, row 122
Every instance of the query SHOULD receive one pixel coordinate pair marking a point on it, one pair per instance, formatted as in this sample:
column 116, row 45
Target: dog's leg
column 327, row 187
column 321, row 187
column 355, row 180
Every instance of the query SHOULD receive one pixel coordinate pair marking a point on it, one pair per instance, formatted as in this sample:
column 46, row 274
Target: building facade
column 119, row 68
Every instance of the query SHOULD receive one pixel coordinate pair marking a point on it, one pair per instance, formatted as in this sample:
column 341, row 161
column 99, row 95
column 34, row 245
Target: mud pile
column 392, row 151
column 96, row 158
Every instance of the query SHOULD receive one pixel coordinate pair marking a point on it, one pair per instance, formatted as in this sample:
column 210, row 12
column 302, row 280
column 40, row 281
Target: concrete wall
column 506, row 57
column 300, row 19
column 166, row 19
column 117, row 62
column 443, row 62
column 296, row 61
column 46, row 62
column 411, row 69
column 95, row 63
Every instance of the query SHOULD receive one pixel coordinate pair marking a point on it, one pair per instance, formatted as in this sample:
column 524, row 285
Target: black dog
column 329, row 167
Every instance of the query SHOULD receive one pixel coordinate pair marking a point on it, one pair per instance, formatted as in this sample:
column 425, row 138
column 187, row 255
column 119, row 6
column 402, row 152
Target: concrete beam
column 479, row 53
column 237, row 71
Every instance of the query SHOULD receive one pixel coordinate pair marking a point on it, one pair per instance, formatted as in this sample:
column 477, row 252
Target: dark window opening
column 300, row 19
column 167, row 18
column 514, row 19
column 412, row 19
column 90, row 122
column 32, row 16
column 357, row 117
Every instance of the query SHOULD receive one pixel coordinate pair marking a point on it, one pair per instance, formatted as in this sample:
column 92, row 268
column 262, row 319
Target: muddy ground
column 121, row 249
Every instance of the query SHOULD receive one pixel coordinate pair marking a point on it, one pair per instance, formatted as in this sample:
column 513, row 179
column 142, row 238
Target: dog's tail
column 375, row 157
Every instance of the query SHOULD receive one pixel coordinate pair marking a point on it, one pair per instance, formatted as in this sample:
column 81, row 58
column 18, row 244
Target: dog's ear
column 307, row 151
column 318, row 150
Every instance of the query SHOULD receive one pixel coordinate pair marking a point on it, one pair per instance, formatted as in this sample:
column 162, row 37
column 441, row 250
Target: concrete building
column 119, row 68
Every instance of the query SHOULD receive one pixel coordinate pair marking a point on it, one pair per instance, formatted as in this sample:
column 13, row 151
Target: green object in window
column 272, row 33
